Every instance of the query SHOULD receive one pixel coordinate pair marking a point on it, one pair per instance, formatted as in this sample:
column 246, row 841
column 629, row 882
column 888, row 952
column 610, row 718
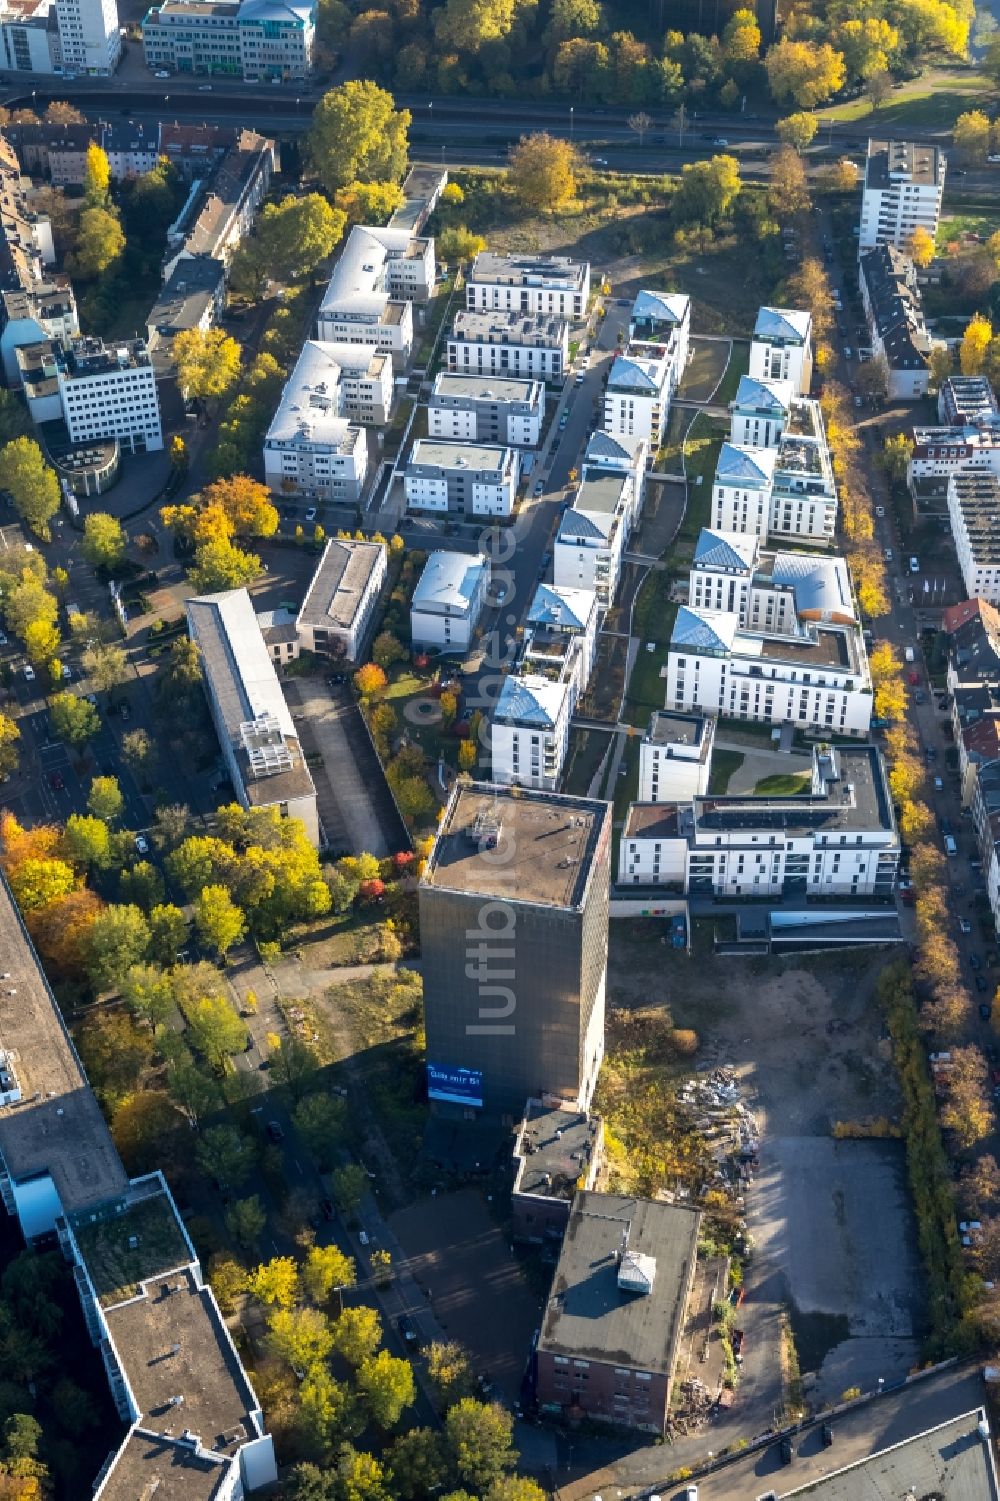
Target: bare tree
column 679, row 122
column 640, row 123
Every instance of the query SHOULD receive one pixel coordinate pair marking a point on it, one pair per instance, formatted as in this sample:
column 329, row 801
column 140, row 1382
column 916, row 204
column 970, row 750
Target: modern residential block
column 759, row 412
column 251, row 39
column 837, row 839
column 593, row 534
column 896, row 327
column 514, row 934
column 966, row 398
column 974, row 509
column 475, row 478
column 786, row 490
column 675, row 757
column 614, row 1318
column 378, row 276
column 312, row 449
column 663, row 318
column 637, row 398
column 781, row 348
column 904, row 185
column 256, row 735
column 529, row 730
column 29, row 37
column 560, row 637
column 557, row 1151
column 543, row 284
column 772, row 592
column 616, row 454
column 99, row 391
column 448, row 600
column 942, row 451
column 336, row 615
column 817, row 681
column 486, row 409
column 515, row 344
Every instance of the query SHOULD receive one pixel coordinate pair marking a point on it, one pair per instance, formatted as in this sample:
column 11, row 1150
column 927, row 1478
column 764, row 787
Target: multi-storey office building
column 551, row 285
column 781, row 348
column 486, row 409
column 514, row 344
column 476, row 478
column 904, row 185
column 46, row 311
column 97, row 390
column 817, row 681
column 89, row 36
column 312, row 449
column 337, row 613
column 251, row 39
column 514, row 937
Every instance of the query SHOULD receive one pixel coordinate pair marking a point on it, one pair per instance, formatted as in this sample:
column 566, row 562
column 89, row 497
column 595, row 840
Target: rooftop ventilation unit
column 264, row 743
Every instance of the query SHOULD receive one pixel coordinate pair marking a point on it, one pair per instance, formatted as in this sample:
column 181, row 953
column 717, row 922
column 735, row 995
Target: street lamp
column 571, row 122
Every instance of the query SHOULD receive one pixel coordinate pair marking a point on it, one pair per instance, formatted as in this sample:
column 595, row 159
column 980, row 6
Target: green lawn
column 646, row 688
column 626, row 788
column 953, row 227
column 115, row 1264
column 725, row 763
column 654, row 614
column 670, row 456
column 701, row 454
column 739, row 364
column 586, row 751
column 937, row 98
column 783, row 784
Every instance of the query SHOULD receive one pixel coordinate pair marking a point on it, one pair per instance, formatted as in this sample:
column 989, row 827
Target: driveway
column 355, row 805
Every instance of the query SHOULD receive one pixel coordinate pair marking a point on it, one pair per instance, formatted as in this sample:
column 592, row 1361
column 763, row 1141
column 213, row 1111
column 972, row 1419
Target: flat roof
column 952, row 1462
column 338, row 587
column 57, row 1128
column 601, row 492
column 529, row 270
column 589, row 1316
column 543, row 331
column 554, row 1150
column 163, row 1469
column 173, row 1343
column 544, row 852
column 651, row 821
column 890, row 162
column 190, row 290
column 481, row 387
column 118, row 1268
column 668, row 727
column 440, row 454
column 856, row 800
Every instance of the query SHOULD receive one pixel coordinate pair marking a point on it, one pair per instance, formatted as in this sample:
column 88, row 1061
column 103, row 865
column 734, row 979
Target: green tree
column 357, row 1334
column 119, row 938
column 514, row 1488
column 971, row 136
column 804, row 72
column 9, row 737
column 472, row 25
column 226, row 1155
column 299, row 232
column 167, row 933
column 293, row 1064
column 14, row 419
column 325, row 1269
column 105, row 799
column 797, row 130
column 31, row 484
column 139, row 751
column 219, row 565
column 88, row 842
column 101, row 243
column 275, row 1283
column 357, row 135
column 220, row 923
column 326, row 1410
column 450, row 1372
column 300, row 1336
column 543, row 172
column 41, row 641
column 115, row 1052
column 147, row 993
column 320, row 1120
column 217, row 1029
column 387, row 1385
column 141, row 884
column 573, row 18
column 706, row 191
column 96, row 176
column 106, row 665
column 307, row 1482
column 172, row 821
column 417, row 1464
column 104, row 540
column 788, row 189
column 349, row 1184
column 207, row 361
column 479, row 1435
column 360, row 1477
column 741, row 38
column 459, row 245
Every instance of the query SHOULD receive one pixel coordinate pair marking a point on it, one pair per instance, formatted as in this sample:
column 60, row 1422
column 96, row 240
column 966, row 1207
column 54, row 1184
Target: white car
column 67, row 674
column 29, row 673
column 914, row 565
column 880, row 511
column 161, row 74
column 204, row 88
column 142, row 844
column 994, row 157
column 311, row 514
column 888, row 555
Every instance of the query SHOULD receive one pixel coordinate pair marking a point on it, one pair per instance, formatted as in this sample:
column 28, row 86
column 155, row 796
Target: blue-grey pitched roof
column 725, row 550
column 762, row 395
column 531, row 700
column 703, row 630
column 555, row 604
column 790, row 324
column 746, row 466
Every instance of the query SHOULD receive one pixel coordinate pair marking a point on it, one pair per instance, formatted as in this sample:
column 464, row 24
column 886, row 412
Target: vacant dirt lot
column 830, row 1219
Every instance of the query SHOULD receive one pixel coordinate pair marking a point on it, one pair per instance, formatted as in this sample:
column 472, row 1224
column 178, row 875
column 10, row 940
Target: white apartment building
column 610, row 453
column 257, row 40
column 637, row 398
column 837, row 841
column 560, row 637
column 663, row 318
column 448, row 600
column 486, row 409
column 784, row 491
column 311, row 450
column 675, row 757
column 551, row 285
column 340, row 604
column 530, row 731
column 759, row 412
column 974, row 513
column 221, row 210
column 817, row 681
column 348, row 380
column 478, row 479
column 781, row 348
column 941, row 451
column 46, row 311
column 966, row 399
column 904, row 185
column 89, row 36
column 99, row 391
column 592, row 535
column 28, row 42
column 741, row 490
column 769, row 592
column 379, row 274
column 256, row 735
column 508, row 344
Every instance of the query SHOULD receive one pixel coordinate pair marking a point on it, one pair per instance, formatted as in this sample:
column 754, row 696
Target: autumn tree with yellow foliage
column 543, row 172
column 975, row 344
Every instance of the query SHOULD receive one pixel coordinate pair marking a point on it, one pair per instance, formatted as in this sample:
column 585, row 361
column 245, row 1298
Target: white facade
column 593, row 534
column 838, row 841
column 904, row 185
column 477, row 479
column 99, row 391
column 448, row 600
column 343, row 595
column 508, row 344
column 310, row 449
column 741, row 493
column 545, row 284
column 759, row 412
column 89, row 36
column 817, row 682
column 772, row 593
column 560, row 637
column 941, row 451
column 258, row 40
column 781, row 348
column 490, row 409
column 369, row 299
column 663, row 318
column 530, row 732
column 675, row 757
column 28, row 45
column 637, row 398
column 783, row 491
column 974, row 513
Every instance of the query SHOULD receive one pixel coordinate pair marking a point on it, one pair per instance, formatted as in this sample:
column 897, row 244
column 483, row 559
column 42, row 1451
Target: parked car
column 29, row 673
column 142, row 844
column 964, row 925
column 407, row 1331
column 880, row 511
column 311, row 514
column 914, row 565
column 975, row 961
column 275, row 1131
column 539, row 487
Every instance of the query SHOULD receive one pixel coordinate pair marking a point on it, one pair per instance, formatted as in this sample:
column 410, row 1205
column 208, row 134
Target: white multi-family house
column 783, row 491
column 974, row 512
column 759, row 412
column 637, row 398
column 536, row 284
column 593, row 533
column 520, row 345
column 478, row 479
column 663, row 318
column 448, row 600
column 675, row 757
column 781, row 348
column 817, row 681
column 611, row 453
column 379, row 274
column 560, row 637
column 312, row 449
column 529, row 732
column 770, row 592
column 486, row 409
column 741, row 491
column 896, row 327
column 904, row 185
